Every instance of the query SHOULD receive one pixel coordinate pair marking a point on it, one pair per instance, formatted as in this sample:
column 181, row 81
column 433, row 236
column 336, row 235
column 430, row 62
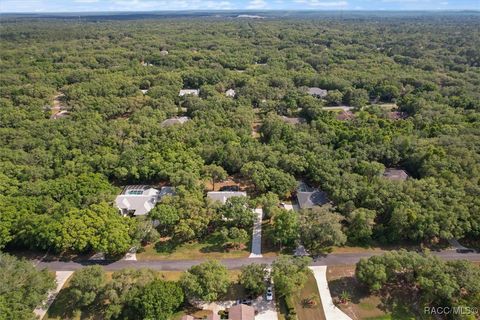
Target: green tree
column 22, row 288
column 157, row 300
column 206, row 281
column 320, row 228
column 285, row 226
column 215, row 173
column 237, row 212
column 290, row 274
column 361, row 222
column 86, row 284
column 253, row 277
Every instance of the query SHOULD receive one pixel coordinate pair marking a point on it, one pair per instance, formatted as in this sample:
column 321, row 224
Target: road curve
column 181, row 265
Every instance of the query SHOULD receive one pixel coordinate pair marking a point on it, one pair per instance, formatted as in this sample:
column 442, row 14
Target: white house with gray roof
column 223, row 196
column 317, row 92
column 138, row 200
column 174, row 121
column 188, row 92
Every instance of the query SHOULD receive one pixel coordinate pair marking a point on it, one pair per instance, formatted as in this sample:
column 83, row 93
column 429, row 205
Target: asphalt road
column 180, row 265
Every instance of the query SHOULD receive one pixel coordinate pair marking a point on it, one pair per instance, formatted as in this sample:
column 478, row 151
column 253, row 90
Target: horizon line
column 242, row 10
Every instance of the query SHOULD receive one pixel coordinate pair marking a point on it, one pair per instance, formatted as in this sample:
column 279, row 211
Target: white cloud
column 257, row 4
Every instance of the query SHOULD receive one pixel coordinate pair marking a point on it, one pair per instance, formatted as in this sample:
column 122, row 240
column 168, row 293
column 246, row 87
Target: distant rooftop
column 293, row 120
column 223, row 196
column 395, row 174
column 317, row 92
column 186, row 92
column 230, row 93
column 173, row 121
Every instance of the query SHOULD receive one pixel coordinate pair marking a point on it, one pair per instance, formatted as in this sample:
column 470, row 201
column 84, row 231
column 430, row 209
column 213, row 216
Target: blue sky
column 159, row 5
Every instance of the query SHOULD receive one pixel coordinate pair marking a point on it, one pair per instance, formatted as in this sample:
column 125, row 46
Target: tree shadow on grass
column 350, row 285
column 166, row 247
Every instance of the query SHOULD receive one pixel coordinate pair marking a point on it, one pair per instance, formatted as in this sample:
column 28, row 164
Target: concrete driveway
column 257, row 235
column 265, row 309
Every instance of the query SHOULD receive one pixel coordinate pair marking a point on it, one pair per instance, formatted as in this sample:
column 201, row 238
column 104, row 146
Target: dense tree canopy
column 22, row 287
column 422, row 279
column 413, row 83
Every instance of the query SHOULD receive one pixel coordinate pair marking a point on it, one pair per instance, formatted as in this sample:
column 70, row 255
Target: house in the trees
column 189, row 92
column 317, row 92
column 230, row 93
column 293, row 120
column 395, row 174
column 308, row 197
column 223, row 196
column 138, row 200
column 173, row 121
column 144, row 91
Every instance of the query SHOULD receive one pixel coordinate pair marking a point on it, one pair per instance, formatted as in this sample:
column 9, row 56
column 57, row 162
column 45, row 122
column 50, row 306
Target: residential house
column 223, row 196
column 317, row 92
column 61, row 114
column 397, row 115
column 138, row 200
column 241, row 312
column 164, row 52
column 144, row 91
column 187, row 92
column 187, row 317
column 174, row 121
column 308, row 197
column 230, row 93
column 395, row 174
column 293, row 120
column 345, row 115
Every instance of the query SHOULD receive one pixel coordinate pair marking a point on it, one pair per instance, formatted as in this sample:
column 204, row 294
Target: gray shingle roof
column 317, row 92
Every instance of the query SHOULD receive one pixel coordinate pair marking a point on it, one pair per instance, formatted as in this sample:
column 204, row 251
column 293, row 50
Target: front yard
column 212, row 247
column 303, row 308
column 359, row 303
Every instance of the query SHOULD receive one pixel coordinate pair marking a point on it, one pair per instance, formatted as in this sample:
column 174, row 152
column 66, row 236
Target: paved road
column 180, row 265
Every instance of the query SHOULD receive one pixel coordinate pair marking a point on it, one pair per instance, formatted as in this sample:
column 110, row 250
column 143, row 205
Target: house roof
column 140, row 198
column 397, row 115
column 230, row 93
column 61, row 114
column 345, row 115
column 173, row 121
column 187, row 317
column 293, row 120
column 144, row 91
column 223, row 196
column 213, row 316
column 241, row 312
column 319, row 92
column 395, row 174
column 184, row 92
column 308, row 197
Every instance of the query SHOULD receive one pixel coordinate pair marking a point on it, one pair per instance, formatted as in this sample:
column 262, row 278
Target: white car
column 269, row 294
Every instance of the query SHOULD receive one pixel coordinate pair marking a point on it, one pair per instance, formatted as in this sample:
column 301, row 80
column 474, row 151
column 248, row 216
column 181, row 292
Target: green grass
column 210, row 248
column 309, row 313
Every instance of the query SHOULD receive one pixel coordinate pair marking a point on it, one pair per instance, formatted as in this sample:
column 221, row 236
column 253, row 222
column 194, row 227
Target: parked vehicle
column 269, row 294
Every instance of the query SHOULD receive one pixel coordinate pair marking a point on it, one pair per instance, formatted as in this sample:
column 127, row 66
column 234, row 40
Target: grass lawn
column 304, row 312
column 210, row 248
column 309, row 290
column 362, row 304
